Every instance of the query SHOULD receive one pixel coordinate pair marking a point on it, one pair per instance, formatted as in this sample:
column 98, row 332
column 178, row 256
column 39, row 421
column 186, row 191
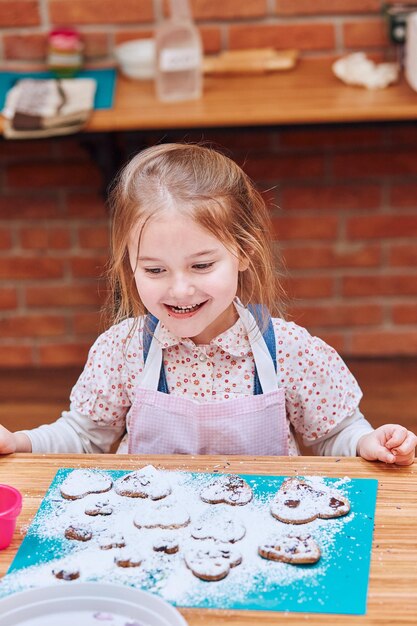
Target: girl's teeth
column 185, row 309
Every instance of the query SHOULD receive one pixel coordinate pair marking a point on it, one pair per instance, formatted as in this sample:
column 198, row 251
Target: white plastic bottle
column 178, row 56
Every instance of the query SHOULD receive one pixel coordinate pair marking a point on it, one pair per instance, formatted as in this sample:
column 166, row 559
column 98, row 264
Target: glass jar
column 65, row 52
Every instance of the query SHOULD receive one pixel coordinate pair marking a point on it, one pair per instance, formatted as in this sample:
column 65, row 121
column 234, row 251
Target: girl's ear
column 243, row 263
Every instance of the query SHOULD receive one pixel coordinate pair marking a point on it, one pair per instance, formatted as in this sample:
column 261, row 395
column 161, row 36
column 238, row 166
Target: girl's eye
column 153, row 270
column 203, row 266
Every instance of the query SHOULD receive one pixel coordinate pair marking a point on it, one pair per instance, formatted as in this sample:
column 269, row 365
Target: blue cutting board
column 104, row 77
column 338, row 583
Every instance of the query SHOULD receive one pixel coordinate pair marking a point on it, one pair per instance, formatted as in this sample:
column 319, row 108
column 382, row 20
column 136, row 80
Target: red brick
column 25, row 47
column 17, row 268
column 87, row 267
column 377, row 285
column 63, row 296
column 228, row 9
column 87, row 323
column 318, row 7
column 96, row 45
column 331, row 256
column 330, row 197
column 16, row 356
column 303, row 36
column 19, row 13
column 32, row 326
column 94, row 238
column 86, row 205
column 366, row 33
column 8, row 299
column 273, row 168
column 305, row 227
column 29, row 207
column 337, row 315
column 383, row 343
column 315, row 286
column 336, row 136
column 403, row 195
column 211, row 38
column 380, row 226
column 5, row 238
column 44, row 175
column 404, row 313
column 372, row 163
column 100, row 11
column 403, row 255
column 63, row 354
column 45, row 238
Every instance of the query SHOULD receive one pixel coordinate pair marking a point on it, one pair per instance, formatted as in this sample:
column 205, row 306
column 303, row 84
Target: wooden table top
column 310, row 93
column 392, row 594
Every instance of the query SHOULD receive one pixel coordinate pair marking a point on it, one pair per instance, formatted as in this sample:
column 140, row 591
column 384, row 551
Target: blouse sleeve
column 321, row 392
column 105, row 388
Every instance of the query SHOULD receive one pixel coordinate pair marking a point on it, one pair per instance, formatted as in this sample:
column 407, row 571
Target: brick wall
column 343, row 199
column 344, row 207
column 315, row 27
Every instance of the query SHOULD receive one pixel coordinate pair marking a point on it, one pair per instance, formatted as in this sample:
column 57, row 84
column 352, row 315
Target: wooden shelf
column 309, row 94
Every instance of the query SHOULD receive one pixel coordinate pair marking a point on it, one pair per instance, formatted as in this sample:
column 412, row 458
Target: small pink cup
column 10, row 507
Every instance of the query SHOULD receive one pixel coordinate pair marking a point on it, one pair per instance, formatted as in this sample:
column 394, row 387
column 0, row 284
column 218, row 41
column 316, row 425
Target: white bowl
column 82, row 604
column 136, row 58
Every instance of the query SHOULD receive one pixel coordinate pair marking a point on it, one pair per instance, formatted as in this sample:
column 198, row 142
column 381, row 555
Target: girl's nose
column 181, row 288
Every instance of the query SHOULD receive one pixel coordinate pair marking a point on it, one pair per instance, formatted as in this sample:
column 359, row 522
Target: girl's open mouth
column 184, row 311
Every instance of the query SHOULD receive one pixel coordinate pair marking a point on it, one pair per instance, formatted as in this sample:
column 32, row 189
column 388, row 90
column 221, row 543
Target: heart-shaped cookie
column 144, row 483
column 298, row 502
column 165, row 515
column 227, row 489
column 297, row 549
column 81, row 482
column 219, row 526
column 211, row 561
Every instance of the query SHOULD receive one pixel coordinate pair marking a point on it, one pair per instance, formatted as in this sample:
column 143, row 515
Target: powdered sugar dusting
column 254, row 583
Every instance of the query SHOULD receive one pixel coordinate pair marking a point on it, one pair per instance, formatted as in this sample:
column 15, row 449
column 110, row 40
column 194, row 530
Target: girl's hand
column 390, row 443
column 13, row 442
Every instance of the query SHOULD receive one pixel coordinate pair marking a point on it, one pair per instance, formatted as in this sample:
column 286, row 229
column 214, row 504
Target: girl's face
column 185, row 276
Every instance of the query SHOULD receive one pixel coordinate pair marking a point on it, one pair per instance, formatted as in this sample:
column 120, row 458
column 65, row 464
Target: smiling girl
column 194, row 363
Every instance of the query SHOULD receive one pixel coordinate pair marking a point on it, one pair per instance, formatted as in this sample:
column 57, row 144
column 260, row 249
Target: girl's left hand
column 390, row 443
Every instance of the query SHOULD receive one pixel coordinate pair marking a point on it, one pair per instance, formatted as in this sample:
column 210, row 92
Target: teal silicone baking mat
column 337, row 583
column 104, row 77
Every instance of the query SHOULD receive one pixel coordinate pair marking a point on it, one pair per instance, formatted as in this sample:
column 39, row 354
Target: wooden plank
column 308, row 94
column 392, row 597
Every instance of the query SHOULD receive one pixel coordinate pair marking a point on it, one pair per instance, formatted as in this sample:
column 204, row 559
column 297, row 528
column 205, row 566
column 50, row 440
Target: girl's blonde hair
column 212, row 189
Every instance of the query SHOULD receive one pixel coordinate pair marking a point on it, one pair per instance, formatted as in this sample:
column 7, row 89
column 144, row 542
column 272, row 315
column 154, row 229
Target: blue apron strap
column 261, row 313
column 149, row 326
column 258, row 311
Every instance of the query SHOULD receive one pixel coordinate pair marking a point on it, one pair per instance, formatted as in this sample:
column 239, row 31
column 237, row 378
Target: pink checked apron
column 161, row 423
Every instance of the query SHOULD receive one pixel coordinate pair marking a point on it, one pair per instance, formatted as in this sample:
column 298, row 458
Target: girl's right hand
column 13, row 442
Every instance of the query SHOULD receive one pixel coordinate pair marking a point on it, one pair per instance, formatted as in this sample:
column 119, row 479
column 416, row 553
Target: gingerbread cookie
column 227, row 489
column 164, row 515
column 297, row 549
column 144, row 483
column 211, row 561
column 66, row 573
column 78, row 533
column 114, row 540
column 129, row 557
column 166, row 543
column 102, row 507
column 219, row 526
column 82, row 482
column 298, row 502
